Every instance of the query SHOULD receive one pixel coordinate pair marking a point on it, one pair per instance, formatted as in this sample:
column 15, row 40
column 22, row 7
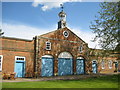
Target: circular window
column 66, row 34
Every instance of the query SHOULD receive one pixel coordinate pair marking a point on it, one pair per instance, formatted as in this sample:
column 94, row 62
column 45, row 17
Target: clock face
column 66, row 34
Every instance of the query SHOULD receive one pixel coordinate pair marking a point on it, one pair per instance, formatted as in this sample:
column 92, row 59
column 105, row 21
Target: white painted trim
column 110, row 67
column 48, row 56
column 116, row 61
column 20, row 57
column 1, row 62
column 95, row 61
column 64, row 35
column 80, row 58
column 65, row 55
column 49, row 46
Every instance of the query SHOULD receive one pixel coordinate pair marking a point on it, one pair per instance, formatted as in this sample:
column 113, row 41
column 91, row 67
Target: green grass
column 99, row 82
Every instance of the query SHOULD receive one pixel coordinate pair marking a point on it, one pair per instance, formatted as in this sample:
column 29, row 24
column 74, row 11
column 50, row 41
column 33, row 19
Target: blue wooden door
column 80, row 66
column 116, row 66
column 65, row 66
column 47, row 67
column 94, row 67
column 19, row 69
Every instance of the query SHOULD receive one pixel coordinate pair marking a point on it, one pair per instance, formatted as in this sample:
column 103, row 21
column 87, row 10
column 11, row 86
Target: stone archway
column 65, row 55
column 65, row 64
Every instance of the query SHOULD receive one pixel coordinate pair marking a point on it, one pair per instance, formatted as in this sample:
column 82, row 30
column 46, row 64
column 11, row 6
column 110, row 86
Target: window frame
column 19, row 57
column 94, row 61
column 48, row 47
column 103, row 64
column 64, row 34
column 1, row 62
column 110, row 64
column 80, row 49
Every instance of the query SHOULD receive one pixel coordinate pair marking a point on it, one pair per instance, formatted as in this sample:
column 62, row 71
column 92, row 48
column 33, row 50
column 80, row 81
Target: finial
column 62, row 6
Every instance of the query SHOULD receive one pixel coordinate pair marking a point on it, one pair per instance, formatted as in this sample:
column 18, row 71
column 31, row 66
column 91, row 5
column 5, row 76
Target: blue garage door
column 47, row 67
column 65, row 66
column 94, row 66
column 20, row 68
column 80, row 66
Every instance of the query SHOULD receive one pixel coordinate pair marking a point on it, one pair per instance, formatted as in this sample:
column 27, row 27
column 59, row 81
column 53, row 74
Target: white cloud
column 22, row 31
column 49, row 4
column 87, row 37
column 28, row 32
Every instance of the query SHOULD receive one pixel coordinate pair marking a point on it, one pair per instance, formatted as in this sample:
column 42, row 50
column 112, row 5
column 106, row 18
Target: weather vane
column 62, row 6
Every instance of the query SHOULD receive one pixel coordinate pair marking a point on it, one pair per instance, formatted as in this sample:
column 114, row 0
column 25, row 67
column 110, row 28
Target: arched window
column 80, row 49
column 103, row 64
column 48, row 45
column 110, row 64
column 65, row 55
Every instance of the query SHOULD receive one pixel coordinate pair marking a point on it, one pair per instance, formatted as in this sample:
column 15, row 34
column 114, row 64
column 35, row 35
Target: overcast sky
column 28, row 19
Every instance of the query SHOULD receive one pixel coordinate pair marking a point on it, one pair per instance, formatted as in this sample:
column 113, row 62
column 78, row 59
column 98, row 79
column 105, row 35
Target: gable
column 58, row 34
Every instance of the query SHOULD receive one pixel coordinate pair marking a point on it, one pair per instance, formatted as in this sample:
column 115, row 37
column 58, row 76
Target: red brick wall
column 17, row 47
column 106, row 61
column 12, row 47
column 60, row 44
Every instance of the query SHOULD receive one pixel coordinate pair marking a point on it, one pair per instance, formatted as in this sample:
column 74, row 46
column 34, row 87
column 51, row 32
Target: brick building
column 107, row 61
column 60, row 52
column 16, row 52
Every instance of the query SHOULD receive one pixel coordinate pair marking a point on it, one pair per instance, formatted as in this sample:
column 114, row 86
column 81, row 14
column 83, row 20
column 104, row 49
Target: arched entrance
column 80, row 65
column 47, row 65
column 65, row 64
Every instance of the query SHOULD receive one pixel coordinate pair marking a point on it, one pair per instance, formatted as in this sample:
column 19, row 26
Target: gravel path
column 71, row 77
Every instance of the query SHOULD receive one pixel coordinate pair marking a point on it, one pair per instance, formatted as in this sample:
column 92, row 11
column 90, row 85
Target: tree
column 106, row 27
column 1, row 33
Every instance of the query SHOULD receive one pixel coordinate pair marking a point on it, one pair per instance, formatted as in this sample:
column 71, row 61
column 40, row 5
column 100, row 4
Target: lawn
column 99, row 82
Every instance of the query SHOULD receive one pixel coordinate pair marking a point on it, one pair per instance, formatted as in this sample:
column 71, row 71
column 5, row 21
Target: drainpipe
column 36, row 54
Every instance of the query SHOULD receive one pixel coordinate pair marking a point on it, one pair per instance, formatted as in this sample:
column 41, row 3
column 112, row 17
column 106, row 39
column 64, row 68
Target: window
column 19, row 58
column 116, row 64
column 94, row 61
column 80, row 49
column 110, row 64
column 103, row 64
column 66, row 34
column 1, row 58
column 48, row 46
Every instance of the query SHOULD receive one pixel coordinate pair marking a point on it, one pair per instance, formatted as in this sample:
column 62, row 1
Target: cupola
column 62, row 16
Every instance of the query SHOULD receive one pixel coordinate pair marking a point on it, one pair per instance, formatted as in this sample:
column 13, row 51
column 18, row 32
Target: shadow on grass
column 108, row 78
